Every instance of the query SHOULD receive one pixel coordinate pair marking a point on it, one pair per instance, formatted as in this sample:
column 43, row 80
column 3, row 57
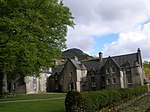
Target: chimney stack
column 76, row 58
column 55, row 62
column 139, row 57
column 138, row 50
column 100, row 56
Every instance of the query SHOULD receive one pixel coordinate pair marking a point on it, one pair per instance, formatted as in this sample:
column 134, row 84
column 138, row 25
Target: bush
column 73, row 99
column 96, row 100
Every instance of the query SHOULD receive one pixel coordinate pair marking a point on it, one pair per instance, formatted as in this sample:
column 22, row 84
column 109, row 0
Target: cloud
column 95, row 18
column 130, row 41
column 82, row 36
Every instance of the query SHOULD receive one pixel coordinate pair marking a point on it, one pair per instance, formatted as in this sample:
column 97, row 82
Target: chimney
column 76, row 58
column 139, row 57
column 55, row 62
column 138, row 50
column 100, row 56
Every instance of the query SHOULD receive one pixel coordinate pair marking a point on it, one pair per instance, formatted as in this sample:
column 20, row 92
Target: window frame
column 107, row 71
column 93, row 84
column 108, row 82
column 113, row 69
column 70, row 75
column 114, row 81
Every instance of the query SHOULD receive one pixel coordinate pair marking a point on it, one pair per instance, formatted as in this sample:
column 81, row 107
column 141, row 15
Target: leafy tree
column 32, row 34
column 147, row 69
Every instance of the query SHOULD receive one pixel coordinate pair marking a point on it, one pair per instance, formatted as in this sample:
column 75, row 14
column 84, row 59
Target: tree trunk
column 11, row 87
column 1, row 83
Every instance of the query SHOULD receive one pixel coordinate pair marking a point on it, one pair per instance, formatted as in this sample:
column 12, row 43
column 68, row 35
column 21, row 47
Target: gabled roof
column 123, row 59
column 57, row 69
column 90, row 64
column 120, row 61
column 107, row 59
column 78, row 64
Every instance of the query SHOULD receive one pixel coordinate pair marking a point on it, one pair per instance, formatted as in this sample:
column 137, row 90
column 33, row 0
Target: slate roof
column 91, row 64
column 78, row 64
column 122, row 60
column 57, row 69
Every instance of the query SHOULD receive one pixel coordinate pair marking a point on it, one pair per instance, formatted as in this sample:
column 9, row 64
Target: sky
column 113, row 27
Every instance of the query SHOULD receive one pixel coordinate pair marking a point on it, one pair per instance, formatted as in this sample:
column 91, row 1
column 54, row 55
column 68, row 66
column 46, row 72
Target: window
column 56, row 77
column 129, row 78
column 70, row 74
column 34, row 83
column 108, row 81
column 103, row 81
column 71, row 86
column 93, row 75
column 56, row 86
column 114, row 81
column 113, row 69
column 127, row 68
column 93, row 84
column 107, row 70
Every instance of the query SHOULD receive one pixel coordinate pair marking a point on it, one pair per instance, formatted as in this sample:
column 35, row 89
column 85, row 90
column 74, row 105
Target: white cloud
column 82, row 36
column 130, row 41
column 99, row 17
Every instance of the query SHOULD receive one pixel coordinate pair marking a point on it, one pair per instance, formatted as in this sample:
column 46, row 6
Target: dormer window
column 107, row 70
column 127, row 68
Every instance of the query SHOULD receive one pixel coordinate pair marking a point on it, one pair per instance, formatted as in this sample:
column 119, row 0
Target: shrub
column 73, row 98
column 96, row 100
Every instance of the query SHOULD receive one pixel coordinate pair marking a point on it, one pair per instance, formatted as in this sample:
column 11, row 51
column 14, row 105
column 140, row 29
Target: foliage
column 146, row 65
column 32, row 34
column 73, row 98
column 148, row 110
column 96, row 100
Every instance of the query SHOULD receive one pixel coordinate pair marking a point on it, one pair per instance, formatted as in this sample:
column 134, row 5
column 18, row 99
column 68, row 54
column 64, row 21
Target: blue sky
column 102, row 41
column 110, row 26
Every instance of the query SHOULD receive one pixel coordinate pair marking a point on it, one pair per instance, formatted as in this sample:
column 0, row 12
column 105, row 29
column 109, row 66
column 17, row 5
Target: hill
column 70, row 53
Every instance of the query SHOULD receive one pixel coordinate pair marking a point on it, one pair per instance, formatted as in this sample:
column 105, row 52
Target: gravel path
column 31, row 100
column 140, row 105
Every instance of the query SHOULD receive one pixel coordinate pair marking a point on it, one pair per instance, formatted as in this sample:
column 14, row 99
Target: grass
column 34, row 106
column 33, row 96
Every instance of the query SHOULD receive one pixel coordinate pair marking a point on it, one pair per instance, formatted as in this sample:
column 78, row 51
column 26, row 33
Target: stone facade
column 36, row 84
column 101, row 73
column 73, row 76
column 29, row 84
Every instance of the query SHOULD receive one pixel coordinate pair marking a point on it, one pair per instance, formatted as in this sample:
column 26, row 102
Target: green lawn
column 34, row 106
column 34, row 96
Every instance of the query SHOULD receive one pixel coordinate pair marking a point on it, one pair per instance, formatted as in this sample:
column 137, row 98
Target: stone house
column 73, row 76
column 54, row 80
column 29, row 84
column 101, row 73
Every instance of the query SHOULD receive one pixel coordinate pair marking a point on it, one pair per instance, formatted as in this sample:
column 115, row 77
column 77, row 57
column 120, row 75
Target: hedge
column 96, row 100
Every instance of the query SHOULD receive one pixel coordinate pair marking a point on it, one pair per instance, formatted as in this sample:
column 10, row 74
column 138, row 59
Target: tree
column 146, row 65
column 32, row 34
